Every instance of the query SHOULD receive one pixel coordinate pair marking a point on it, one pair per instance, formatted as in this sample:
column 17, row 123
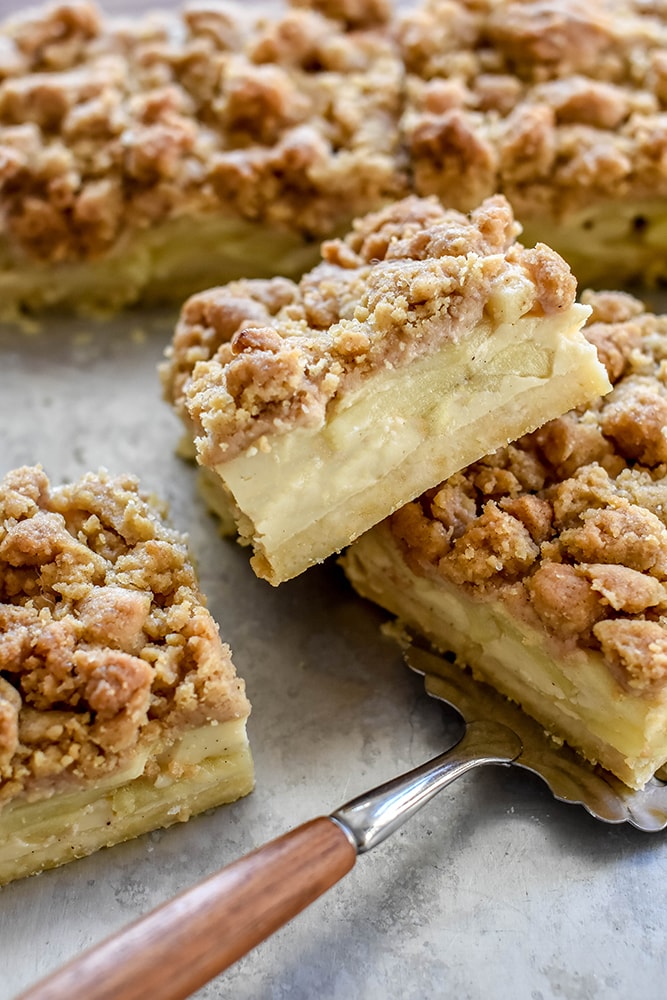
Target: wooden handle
column 190, row 939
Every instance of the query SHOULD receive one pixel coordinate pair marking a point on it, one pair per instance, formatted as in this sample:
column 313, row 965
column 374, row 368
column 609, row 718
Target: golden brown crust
column 110, row 126
column 559, row 105
column 569, row 524
column 105, row 642
column 256, row 358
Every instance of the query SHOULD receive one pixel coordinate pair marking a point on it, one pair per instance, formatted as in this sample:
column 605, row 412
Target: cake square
column 120, row 708
column 543, row 567
column 423, row 340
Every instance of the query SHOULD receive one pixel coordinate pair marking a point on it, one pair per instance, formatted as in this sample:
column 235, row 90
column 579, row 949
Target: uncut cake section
column 120, row 708
column 543, row 567
column 561, row 107
column 424, row 339
column 146, row 157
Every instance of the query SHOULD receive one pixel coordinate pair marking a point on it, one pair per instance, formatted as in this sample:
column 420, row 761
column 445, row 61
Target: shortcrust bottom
column 311, row 492
column 574, row 695
column 206, row 767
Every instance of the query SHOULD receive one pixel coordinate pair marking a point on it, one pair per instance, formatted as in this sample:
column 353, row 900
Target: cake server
column 187, row 941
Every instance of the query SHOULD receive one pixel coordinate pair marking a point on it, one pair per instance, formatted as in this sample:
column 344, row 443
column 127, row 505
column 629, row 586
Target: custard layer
column 206, row 767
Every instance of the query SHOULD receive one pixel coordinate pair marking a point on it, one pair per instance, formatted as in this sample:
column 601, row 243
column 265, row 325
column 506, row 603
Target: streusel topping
column 108, row 126
column 255, row 358
column 105, row 642
column 303, row 117
column 569, row 524
column 554, row 104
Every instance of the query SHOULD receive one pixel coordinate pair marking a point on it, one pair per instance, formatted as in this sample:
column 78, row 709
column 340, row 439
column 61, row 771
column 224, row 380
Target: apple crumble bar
column 120, row 708
column 558, row 105
column 145, row 158
column 543, row 566
column 423, row 340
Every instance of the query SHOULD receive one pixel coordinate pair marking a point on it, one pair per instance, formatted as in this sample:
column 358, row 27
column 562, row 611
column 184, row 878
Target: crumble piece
column 572, row 519
column 416, row 327
column 143, row 159
column 108, row 655
column 562, row 536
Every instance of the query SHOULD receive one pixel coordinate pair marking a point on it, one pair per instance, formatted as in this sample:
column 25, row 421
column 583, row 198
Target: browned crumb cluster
column 108, row 126
column 260, row 357
column 554, row 104
column 105, row 643
column 569, row 524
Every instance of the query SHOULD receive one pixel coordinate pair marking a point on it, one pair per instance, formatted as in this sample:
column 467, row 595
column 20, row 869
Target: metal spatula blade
column 569, row 777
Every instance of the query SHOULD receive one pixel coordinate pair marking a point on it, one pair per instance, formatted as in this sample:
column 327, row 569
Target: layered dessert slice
column 146, row 157
column 120, row 708
column 560, row 106
column 423, row 340
column 543, row 567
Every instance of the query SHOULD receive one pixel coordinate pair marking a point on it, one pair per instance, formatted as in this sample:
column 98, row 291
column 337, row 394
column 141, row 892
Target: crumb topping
column 320, row 111
column 569, row 524
column 554, row 104
column 256, row 358
column 105, row 642
column 109, row 126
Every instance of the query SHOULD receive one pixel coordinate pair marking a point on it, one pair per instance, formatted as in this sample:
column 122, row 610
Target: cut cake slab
column 143, row 158
column 423, row 340
column 120, row 708
column 543, row 567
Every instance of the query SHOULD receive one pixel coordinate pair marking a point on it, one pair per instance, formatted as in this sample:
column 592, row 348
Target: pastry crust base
column 311, row 492
column 573, row 695
column 205, row 767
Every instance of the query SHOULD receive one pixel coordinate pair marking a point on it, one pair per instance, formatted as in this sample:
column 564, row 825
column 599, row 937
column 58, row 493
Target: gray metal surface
column 494, row 891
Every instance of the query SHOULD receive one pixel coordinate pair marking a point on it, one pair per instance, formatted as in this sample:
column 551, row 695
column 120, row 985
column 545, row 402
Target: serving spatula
column 187, row 941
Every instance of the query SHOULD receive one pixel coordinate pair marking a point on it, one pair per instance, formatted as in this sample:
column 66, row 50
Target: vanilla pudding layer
column 313, row 491
column 204, row 768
